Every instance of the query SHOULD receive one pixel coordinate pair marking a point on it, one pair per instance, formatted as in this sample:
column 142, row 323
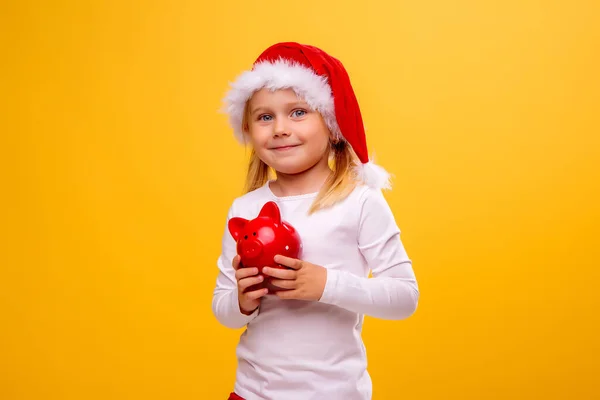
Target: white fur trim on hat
column 280, row 74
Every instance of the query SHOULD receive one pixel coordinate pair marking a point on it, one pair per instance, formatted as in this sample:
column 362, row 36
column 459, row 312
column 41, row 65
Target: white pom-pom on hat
column 373, row 175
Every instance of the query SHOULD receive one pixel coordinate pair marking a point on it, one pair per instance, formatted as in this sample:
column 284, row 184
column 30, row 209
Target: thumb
column 236, row 262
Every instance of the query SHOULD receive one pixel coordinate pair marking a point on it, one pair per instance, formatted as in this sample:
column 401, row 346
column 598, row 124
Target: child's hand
column 305, row 281
column 246, row 277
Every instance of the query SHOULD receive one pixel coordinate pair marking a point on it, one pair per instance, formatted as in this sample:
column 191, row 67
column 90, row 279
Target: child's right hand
column 246, row 277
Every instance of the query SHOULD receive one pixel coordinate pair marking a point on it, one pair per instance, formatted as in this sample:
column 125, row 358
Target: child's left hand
column 305, row 281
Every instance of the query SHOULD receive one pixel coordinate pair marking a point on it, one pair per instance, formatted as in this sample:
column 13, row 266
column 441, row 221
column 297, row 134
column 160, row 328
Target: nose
column 280, row 128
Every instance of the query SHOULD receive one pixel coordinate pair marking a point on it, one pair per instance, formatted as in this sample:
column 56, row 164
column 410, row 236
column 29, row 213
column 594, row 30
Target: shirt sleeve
column 225, row 302
column 392, row 293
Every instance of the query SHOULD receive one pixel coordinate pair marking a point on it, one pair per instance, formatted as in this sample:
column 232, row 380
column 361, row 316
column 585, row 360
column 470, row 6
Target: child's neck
column 309, row 181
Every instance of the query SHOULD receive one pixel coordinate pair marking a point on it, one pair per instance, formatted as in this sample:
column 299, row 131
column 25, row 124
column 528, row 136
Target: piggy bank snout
column 251, row 248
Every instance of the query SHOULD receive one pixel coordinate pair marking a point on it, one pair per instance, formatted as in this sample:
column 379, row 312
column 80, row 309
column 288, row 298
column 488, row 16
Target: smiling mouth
column 282, row 148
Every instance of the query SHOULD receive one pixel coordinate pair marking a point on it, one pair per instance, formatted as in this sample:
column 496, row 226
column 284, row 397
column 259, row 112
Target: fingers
column 280, row 273
column 288, row 262
column 245, row 283
column 245, row 272
column 256, row 294
column 284, row 283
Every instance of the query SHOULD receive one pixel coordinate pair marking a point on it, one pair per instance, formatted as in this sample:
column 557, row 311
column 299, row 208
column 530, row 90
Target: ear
column 236, row 226
column 271, row 211
column 246, row 135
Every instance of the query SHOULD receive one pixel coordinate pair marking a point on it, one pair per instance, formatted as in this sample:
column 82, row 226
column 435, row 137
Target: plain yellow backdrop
column 118, row 172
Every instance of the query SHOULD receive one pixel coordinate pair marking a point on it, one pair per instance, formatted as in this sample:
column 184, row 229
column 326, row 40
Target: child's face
column 285, row 133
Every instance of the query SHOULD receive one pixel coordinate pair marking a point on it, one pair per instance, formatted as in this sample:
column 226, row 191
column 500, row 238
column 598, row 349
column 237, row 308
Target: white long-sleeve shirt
column 309, row 350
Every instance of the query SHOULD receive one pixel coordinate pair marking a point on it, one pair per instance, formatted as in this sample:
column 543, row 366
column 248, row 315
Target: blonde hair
column 339, row 184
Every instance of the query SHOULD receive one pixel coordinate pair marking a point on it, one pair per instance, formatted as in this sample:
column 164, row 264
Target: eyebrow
column 288, row 105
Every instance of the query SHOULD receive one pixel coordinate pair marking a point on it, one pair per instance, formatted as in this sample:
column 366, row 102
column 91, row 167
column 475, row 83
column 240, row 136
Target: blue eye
column 302, row 112
column 262, row 118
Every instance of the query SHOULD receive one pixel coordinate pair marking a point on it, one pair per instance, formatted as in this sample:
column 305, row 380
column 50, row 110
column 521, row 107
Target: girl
column 298, row 112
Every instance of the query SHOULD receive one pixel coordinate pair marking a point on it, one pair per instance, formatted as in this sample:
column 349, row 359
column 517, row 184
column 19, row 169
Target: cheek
column 257, row 137
column 320, row 142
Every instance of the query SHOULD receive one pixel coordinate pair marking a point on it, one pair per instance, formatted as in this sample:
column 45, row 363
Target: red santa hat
column 323, row 83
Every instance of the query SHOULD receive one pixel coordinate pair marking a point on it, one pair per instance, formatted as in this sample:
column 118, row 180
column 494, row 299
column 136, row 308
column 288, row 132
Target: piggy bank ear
column 289, row 228
column 271, row 211
column 236, row 226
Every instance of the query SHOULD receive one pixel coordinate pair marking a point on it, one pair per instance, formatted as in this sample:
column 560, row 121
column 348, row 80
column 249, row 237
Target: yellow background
column 118, row 172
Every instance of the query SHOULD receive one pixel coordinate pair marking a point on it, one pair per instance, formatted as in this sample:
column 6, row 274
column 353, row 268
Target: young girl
column 297, row 110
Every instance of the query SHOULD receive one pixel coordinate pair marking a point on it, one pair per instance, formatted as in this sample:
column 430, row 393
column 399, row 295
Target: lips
column 286, row 147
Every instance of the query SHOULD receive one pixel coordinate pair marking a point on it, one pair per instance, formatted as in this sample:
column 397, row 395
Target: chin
column 291, row 167
column 289, row 170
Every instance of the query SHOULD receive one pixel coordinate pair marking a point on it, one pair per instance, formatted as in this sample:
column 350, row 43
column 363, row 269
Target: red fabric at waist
column 233, row 396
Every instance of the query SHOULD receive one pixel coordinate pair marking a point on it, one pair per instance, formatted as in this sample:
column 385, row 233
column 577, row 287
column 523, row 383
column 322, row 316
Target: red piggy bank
column 260, row 239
